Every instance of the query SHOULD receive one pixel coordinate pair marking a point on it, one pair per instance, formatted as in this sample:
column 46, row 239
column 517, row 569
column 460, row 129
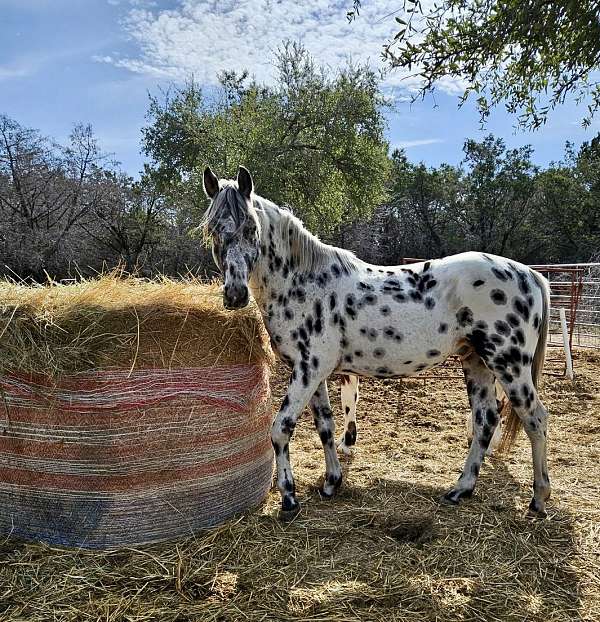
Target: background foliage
column 314, row 141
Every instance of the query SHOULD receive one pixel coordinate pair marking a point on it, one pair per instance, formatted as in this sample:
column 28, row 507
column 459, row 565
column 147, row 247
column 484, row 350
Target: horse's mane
column 305, row 249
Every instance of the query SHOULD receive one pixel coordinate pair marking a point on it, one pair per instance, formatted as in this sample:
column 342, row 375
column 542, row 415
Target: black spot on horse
column 384, row 310
column 378, row 353
column 496, row 339
column 478, row 283
column 429, row 302
column 498, row 297
column 464, row 316
column 513, row 320
column 491, row 416
column 483, row 346
column 309, row 324
column 369, row 299
column 323, row 279
column 350, row 435
column 332, row 301
column 502, row 327
column 433, row 353
column 499, row 274
column 325, row 435
column 443, row 328
column 521, row 308
column 365, row 286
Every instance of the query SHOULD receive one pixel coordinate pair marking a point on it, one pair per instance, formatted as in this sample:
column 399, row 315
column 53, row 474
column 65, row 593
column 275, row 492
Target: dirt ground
column 384, row 549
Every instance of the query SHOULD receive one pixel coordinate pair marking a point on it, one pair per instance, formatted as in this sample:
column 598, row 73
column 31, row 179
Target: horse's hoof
column 449, row 499
column 343, row 448
column 289, row 508
column 536, row 511
column 332, row 485
column 454, row 497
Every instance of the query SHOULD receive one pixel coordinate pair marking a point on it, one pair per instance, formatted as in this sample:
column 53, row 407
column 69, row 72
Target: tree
column 46, row 190
column 417, row 219
column 531, row 54
column 568, row 195
column 312, row 141
column 496, row 207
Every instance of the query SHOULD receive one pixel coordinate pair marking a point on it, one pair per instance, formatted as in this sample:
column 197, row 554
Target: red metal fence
column 576, row 289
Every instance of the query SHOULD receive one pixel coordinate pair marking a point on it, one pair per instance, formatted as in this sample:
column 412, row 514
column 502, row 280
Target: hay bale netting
column 132, row 411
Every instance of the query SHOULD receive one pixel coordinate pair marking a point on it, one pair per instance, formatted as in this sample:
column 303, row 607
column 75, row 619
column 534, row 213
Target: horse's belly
column 387, row 351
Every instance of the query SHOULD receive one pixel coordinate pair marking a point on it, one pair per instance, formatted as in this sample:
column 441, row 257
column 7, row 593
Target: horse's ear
column 211, row 183
column 244, row 180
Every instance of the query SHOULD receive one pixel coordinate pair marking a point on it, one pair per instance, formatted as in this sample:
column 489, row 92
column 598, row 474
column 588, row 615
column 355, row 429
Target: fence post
column 565, row 334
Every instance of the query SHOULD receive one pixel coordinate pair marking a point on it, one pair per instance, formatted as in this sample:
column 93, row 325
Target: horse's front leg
column 301, row 388
column 325, row 425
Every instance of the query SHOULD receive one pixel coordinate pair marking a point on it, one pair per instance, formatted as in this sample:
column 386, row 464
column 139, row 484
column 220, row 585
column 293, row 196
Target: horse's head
column 233, row 227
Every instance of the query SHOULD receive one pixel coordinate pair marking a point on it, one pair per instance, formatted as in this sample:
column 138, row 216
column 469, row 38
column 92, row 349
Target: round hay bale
column 132, row 411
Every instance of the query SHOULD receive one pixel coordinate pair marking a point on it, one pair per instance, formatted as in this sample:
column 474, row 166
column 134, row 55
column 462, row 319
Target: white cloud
column 407, row 144
column 7, row 73
column 204, row 37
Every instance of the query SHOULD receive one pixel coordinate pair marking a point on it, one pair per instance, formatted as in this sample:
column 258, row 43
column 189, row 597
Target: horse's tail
column 512, row 423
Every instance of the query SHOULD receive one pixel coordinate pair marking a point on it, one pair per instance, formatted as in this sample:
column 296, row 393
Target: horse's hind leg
column 497, row 437
column 325, row 425
column 534, row 416
column 349, row 394
column 482, row 397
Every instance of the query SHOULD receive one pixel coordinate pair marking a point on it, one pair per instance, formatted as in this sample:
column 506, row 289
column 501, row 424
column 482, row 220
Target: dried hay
column 125, row 322
column 383, row 550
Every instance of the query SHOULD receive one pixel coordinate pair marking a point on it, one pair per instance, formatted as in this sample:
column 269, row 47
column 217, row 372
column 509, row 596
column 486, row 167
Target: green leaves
column 530, row 55
column 313, row 140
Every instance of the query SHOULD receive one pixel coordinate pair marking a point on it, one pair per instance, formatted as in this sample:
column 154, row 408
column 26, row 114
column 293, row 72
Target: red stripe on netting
column 232, row 388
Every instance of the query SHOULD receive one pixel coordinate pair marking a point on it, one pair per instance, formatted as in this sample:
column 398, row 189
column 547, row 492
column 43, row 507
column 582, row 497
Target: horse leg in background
column 482, row 397
column 325, row 425
column 301, row 388
column 349, row 395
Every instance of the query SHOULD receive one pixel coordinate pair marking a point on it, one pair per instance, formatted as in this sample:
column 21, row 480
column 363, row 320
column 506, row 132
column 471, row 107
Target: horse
column 327, row 312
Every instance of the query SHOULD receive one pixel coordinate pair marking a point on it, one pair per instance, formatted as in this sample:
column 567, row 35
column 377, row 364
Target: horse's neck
column 274, row 271
column 265, row 281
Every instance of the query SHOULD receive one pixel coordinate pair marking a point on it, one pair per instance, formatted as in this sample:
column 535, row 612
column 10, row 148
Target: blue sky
column 94, row 61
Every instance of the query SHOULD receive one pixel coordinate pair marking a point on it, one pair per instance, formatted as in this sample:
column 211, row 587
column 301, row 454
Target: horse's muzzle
column 235, row 298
